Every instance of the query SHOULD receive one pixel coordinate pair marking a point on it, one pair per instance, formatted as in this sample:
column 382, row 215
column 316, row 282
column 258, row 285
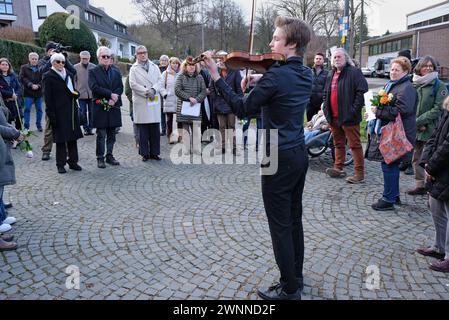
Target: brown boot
column 335, row 173
column 355, row 179
column 418, row 191
column 7, row 246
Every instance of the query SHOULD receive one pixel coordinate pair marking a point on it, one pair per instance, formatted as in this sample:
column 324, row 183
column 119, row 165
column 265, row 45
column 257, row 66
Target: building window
column 6, row 7
column 92, row 17
column 42, row 12
column 133, row 51
column 121, row 48
column 120, row 28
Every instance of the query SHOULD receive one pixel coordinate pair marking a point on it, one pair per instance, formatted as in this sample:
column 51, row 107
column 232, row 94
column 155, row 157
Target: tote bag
column 393, row 142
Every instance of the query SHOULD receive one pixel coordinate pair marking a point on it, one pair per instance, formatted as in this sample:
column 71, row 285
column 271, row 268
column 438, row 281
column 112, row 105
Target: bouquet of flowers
column 104, row 103
column 25, row 145
column 382, row 99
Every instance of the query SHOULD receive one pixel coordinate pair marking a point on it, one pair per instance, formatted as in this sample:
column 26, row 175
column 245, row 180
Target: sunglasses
column 59, row 62
column 106, row 57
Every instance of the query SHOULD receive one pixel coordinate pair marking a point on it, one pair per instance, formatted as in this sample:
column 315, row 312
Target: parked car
column 369, row 72
column 382, row 67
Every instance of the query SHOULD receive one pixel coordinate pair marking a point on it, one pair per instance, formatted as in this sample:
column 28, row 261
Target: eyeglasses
column 59, row 62
column 106, row 57
column 429, row 66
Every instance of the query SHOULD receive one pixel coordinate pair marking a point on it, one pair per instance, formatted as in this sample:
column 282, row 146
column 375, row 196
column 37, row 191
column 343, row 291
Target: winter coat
column 189, row 86
column 436, row 157
column 352, row 86
column 82, row 80
column 61, row 108
column 429, row 108
column 103, row 86
column 8, row 134
column 405, row 100
column 7, row 91
column 28, row 77
column 141, row 81
column 233, row 79
column 318, row 87
column 168, row 83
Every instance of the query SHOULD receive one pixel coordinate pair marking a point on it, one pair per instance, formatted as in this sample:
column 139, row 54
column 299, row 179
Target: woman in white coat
column 170, row 100
column 145, row 80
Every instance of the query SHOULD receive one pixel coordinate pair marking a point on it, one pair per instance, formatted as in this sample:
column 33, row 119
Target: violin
column 243, row 60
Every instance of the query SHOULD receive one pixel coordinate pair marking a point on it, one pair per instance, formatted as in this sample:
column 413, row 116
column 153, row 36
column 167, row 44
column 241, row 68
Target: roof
column 427, row 8
column 402, row 34
column 107, row 22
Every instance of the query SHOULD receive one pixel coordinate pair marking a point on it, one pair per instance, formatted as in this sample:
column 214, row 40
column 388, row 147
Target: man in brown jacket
column 82, row 86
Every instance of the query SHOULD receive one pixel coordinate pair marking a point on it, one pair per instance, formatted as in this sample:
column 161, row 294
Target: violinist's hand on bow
column 211, row 65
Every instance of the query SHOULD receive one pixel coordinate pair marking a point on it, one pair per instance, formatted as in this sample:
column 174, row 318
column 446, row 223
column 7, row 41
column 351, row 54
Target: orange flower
column 384, row 100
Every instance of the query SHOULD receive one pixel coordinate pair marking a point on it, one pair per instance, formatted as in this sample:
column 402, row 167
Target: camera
column 59, row 48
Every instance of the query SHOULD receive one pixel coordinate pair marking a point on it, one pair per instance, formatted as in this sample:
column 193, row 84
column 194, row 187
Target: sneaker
column 10, row 220
column 5, row 228
column 382, row 205
column 440, row 266
column 418, row 191
column 355, row 179
column 335, row 173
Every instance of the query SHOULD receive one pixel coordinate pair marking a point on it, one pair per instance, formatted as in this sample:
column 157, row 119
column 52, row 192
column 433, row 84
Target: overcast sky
column 383, row 16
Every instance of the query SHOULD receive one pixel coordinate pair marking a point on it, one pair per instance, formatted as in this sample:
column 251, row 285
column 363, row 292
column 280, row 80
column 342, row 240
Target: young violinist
column 284, row 91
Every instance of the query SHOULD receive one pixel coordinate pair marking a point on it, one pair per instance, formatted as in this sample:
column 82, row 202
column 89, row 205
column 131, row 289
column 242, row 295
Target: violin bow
column 251, row 36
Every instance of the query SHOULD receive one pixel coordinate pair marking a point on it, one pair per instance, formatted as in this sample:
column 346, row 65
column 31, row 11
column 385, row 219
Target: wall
column 21, row 9
column 439, row 11
column 435, row 43
column 52, row 7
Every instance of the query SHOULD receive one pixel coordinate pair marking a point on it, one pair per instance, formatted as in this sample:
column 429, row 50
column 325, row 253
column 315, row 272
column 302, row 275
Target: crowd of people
column 86, row 97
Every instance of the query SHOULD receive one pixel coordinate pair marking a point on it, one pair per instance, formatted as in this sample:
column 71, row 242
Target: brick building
column 427, row 34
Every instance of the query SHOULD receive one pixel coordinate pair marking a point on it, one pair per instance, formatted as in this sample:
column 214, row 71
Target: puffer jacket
column 435, row 159
column 189, row 86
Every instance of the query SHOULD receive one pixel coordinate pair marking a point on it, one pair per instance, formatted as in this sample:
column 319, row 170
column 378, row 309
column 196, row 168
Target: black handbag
column 372, row 152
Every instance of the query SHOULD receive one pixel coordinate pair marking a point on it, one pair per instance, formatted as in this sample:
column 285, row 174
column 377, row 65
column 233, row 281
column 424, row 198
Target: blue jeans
column 391, row 181
column 27, row 115
column 2, row 206
column 86, row 109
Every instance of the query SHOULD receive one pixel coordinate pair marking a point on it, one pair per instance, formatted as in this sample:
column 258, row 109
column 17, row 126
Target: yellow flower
column 390, row 97
column 382, row 93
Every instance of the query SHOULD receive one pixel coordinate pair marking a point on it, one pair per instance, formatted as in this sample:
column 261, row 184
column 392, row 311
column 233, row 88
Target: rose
column 382, row 93
column 384, row 100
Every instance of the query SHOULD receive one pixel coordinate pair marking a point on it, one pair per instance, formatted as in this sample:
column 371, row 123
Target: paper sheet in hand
column 368, row 96
column 189, row 110
column 207, row 108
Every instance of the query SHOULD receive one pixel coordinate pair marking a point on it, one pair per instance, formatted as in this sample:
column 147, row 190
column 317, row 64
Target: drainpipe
column 417, row 45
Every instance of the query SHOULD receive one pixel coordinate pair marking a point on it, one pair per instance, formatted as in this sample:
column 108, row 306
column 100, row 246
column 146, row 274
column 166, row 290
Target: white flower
column 29, row 154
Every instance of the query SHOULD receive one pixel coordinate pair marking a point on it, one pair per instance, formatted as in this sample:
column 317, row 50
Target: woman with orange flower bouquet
column 398, row 97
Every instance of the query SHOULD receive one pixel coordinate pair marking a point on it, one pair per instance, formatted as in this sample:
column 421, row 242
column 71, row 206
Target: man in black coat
column 44, row 66
column 343, row 103
column 105, row 81
column 319, row 82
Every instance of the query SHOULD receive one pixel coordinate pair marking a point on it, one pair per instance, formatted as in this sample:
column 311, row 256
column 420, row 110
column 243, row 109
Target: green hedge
column 17, row 52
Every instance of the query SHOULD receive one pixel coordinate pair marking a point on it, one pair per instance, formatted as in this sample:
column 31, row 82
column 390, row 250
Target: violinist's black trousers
column 282, row 196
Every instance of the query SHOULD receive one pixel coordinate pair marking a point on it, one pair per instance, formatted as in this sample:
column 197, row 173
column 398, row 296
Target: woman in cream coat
column 145, row 80
column 170, row 100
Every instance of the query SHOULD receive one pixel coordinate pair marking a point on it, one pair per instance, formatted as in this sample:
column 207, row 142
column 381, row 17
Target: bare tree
column 174, row 19
column 264, row 28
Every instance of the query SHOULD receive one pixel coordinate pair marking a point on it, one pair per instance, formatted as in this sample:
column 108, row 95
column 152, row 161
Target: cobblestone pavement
column 159, row 231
